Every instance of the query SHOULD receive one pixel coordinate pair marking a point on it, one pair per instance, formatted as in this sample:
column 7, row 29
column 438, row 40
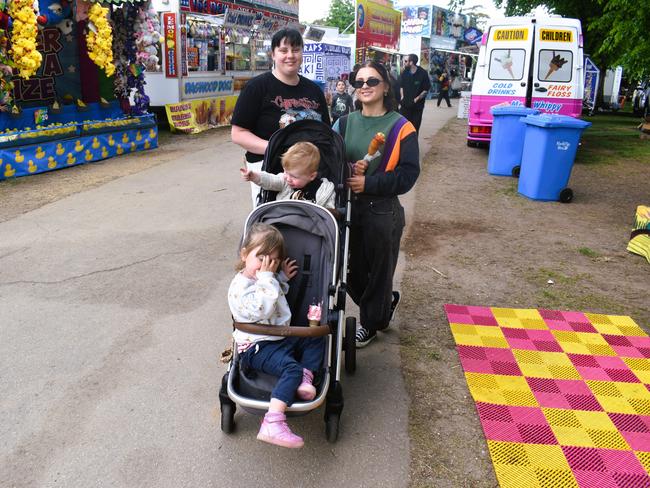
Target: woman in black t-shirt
column 274, row 99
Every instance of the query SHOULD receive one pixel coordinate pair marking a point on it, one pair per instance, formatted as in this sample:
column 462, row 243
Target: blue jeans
column 285, row 359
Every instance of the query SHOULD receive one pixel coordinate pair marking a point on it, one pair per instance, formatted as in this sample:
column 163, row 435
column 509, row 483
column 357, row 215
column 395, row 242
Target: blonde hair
column 303, row 156
column 264, row 236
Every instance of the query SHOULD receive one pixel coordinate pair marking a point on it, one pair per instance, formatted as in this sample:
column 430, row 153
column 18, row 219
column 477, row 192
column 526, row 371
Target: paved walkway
column 113, row 318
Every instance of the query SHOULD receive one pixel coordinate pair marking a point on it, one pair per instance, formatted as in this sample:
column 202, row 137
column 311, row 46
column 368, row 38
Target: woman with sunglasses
column 377, row 215
column 274, row 99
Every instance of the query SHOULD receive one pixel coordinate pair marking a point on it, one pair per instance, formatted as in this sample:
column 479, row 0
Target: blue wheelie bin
column 507, row 140
column 550, row 147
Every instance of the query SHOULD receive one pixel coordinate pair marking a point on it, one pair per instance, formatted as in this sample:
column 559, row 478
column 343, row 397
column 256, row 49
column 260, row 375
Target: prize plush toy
column 147, row 37
column 53, row 12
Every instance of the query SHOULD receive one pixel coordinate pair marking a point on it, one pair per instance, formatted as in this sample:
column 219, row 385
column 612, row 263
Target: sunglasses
column 370, row 82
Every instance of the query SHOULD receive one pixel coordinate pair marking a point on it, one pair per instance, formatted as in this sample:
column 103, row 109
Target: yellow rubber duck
column 40, row 154
column 51, row 163
column 31, row 167
column 133, row 146
column 59, row 149
column 147, row 144
column 104, row 152
column 71, row 159
column 9, row 171
column 125, row 138
column 119, row 149
column 138, row 136
column 19, row 157
column 111, row 141
column 95, row 143
column 152, row 133
column 89, row 155
column 78, row 146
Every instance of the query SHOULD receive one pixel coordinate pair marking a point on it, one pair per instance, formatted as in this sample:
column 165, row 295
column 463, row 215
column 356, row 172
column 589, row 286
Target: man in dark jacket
column 414, row 86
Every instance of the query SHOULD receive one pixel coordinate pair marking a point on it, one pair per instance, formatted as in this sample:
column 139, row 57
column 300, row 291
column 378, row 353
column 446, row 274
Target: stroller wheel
column 350, row 345
column 332, row 427
column 227, row 418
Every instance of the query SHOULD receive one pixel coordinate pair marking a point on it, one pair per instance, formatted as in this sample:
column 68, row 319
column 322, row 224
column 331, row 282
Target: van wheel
column 350, row 345
column 515, row 171
column 566, row 195
column 472, row 143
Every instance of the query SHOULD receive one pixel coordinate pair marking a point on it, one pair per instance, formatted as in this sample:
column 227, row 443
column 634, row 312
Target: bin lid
column 513, row 110
column 556, row 121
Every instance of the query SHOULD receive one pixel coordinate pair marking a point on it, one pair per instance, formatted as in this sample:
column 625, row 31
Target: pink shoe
column 275, row 430
column 306, row 391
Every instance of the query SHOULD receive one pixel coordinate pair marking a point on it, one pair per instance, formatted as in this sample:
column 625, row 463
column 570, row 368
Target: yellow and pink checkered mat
column 563, row 397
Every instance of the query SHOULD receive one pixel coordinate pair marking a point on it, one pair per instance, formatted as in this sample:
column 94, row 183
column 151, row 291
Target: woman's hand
column 269, row 264
column 357, row 183
column 359, row 168
column 289, row 267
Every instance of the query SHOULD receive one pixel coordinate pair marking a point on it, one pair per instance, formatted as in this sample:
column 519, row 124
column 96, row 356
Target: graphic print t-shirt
column 266, row 105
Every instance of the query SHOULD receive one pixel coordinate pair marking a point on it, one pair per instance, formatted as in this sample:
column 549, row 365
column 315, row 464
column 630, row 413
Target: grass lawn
column 613, row 137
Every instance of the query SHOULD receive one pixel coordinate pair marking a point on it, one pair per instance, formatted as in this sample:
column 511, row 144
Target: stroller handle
column 284, row 331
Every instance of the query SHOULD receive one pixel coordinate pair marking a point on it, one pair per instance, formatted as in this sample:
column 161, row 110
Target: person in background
column 342, row 103
column 274, row 99
column 377, row 215
column 414, row 86
column 443, row 79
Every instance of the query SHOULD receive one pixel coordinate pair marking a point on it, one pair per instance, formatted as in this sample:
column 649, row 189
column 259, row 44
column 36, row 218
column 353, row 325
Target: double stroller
column 317, row 239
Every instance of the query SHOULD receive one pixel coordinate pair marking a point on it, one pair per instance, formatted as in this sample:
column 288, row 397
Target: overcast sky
column 312, row 10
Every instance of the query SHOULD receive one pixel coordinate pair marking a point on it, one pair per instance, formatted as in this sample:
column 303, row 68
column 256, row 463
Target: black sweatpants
column 413, row 114
column 444, row 94
column 375, row 234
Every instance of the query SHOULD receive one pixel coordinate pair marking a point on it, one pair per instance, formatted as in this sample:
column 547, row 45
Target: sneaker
column 394, row 304
column 274, row 430
column 364, row 337
column 306, row 391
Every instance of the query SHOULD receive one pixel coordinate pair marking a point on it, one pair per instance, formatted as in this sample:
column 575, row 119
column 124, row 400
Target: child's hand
column 249, row 175
column 289, row 267
column 269, row 264
column 357, row 183
column 360, row 167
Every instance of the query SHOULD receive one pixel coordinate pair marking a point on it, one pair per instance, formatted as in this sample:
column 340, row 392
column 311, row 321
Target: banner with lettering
column 169, row 26
column 217, row 86
column 194, row 116
column 377, row 25
column 58, row 76
column 416, row 21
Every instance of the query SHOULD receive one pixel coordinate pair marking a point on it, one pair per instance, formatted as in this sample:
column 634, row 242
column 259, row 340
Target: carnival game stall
column 211, row 49
column 71, row 90
column 325, row 63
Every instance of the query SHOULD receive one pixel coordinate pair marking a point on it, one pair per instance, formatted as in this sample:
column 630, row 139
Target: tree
column 614, row 30
column 341, row 14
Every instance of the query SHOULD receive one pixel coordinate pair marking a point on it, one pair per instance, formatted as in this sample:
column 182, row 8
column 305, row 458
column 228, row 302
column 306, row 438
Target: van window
column 507, row 64
column 555, row 65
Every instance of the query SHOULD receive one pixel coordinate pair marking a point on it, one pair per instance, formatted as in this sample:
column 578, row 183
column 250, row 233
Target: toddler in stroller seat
column 280, row 367
column 257, row 294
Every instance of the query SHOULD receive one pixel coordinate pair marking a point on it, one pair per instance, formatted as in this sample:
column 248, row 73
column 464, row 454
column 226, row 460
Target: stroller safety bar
column 274, row 330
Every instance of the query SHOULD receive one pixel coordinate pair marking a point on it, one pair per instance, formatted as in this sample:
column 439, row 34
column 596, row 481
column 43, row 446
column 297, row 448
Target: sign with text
column 207, row 87
column 169, row 26
column 416, row 21
column 377, row 25
column 196, row 116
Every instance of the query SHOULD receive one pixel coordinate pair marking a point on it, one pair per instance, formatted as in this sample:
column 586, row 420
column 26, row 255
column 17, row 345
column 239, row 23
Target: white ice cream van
column 529, row 62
